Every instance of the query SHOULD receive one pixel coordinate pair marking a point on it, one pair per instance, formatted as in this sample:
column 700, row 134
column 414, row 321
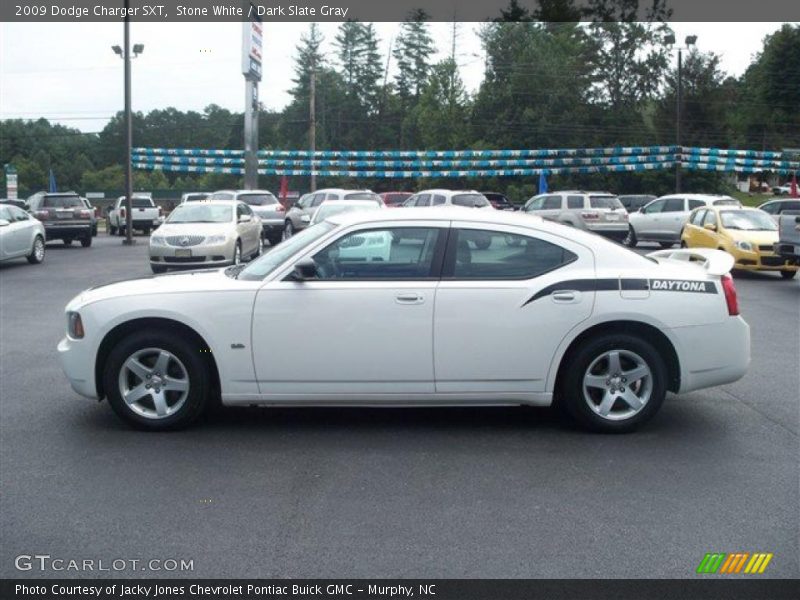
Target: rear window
column 62, row 202
column 141, row 203
column 258, row 199
column 605, row 202
column 727, row 202
column 362, row 196
column 470, row 200
column 195, row 197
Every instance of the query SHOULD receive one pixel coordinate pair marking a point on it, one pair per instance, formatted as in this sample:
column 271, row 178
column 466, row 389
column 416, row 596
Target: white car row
column 412, row 307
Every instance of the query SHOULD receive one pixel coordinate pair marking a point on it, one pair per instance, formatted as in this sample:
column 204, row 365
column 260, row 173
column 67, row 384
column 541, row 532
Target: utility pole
column 251, row 69
column 128, row 131
column 312, row 114
column 679, row 96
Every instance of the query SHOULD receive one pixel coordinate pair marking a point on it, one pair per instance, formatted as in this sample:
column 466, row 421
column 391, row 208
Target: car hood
column 754, row 237
column 212, row 280
column 204, row 229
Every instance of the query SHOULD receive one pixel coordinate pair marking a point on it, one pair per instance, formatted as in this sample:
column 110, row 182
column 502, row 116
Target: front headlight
column 215, row 239
column 157, row 240
column 74, row 326
column 746, row 246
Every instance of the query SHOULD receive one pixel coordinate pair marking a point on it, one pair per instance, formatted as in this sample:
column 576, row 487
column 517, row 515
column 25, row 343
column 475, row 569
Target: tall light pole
column 251, row 69
column 125, row 54
column 690, row 41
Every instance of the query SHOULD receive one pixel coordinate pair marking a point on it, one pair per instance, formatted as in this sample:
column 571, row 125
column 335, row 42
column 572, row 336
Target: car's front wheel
column 157, row 381
column 37, row 251
column 237, row 253
column 288, row 230
column 615, row 383
column 788, row 274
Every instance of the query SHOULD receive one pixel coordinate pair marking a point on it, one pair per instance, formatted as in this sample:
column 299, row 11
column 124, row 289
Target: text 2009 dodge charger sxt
column 416, row 307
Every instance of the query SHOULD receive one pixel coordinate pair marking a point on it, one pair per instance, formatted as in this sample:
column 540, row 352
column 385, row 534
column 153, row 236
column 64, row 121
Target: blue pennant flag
column 542, row 183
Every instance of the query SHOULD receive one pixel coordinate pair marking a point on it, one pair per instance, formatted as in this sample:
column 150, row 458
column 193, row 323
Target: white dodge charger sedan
column 544, row 314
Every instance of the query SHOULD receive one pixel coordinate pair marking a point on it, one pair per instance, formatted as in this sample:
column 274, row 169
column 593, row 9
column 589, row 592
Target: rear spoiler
column 716, row 262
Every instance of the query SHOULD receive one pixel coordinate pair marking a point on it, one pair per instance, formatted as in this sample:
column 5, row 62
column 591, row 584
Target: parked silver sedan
column 20, row 235
column 206, row 234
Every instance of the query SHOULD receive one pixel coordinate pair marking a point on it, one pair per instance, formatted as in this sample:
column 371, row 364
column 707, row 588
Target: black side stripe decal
column 611, row 285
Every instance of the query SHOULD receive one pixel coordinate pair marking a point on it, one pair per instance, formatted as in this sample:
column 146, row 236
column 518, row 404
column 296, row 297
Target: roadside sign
column 11, row 181
column 251, row 46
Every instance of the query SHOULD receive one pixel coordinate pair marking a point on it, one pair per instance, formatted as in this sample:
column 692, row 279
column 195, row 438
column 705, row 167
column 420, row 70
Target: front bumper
column 77, row 362
column 201, row 255
column 758, row 261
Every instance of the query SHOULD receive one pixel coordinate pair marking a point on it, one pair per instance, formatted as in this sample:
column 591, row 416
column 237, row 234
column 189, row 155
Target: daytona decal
column 681, row 285
column 615, row 285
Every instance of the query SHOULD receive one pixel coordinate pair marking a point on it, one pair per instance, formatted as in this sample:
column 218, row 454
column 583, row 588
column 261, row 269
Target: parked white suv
column 598, row 212
column 468, row 198
column 663, row 219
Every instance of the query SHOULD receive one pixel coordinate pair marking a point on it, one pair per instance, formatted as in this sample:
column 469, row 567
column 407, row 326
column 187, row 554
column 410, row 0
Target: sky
column 67, row 72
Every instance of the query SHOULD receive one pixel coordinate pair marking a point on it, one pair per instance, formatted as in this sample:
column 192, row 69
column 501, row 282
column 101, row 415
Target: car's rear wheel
column 67, row 241
column 274, row 240
column 630, row 239
column 146, row 231
column 37, row 251
column 157, row 381
column 666, row 245
column 259, row 249
column 615, row 383
column 788, row 274
column 683, row 244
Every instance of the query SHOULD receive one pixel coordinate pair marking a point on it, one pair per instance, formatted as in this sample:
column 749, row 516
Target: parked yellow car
column 748, row 234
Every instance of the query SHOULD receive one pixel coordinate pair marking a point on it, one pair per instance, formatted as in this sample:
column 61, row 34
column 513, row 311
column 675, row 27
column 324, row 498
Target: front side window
column 439, row 200
column 673, row 205
column 551, row 203
column 268, row 262
column 697, row 218
column 481, row 254
column 423, row 200
column 17, row 214
column 318, row 199
column 710, row 218
column 574, row 201
column 535, row 203
column 655, row 207
column 395, row 253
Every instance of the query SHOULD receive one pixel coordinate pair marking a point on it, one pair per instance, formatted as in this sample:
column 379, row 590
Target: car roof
column 342, row 191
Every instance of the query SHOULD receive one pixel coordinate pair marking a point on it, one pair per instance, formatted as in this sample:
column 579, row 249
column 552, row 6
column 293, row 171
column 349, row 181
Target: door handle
column 566, row 296
column 409, row 298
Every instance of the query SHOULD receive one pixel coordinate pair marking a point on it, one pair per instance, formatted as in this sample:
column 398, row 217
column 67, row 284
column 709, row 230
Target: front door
column 503, row 309
column 363, row 326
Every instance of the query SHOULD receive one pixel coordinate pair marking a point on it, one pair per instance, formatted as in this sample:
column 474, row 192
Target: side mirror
column 641, row 210
column 304, row 270
column 710, row 227
column 305, row 219
column 4, row 223
column 245, row 219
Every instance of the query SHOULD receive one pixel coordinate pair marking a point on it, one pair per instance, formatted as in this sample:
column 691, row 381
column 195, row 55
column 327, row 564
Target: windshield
column 201, row 213
column 747, row 220
column 62, row 202
column 335, row 208
column 261, row 267
column 471, row 200
column 258, row 199
column 362, row 196
column 611, row 202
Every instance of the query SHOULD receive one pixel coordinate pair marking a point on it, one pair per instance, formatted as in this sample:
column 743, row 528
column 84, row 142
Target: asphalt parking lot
column 496, row 492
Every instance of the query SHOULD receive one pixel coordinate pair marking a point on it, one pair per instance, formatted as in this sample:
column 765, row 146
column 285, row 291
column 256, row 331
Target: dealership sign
column 11, row 182
column 251, row 46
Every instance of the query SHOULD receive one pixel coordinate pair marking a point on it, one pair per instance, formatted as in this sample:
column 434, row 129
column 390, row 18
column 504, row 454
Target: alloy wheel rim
column 153, row 383
column 38, row 249
column 237, row 255
column 617, row 385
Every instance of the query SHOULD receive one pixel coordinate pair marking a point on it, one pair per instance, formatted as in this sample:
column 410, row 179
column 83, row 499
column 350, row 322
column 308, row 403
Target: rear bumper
column 790, row 252
column 711, row 355
column 615, row 232
column 271, row 226
column 70, row 230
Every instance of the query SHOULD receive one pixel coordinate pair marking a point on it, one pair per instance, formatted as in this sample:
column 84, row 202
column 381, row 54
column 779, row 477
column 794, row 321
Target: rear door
column 503, row 309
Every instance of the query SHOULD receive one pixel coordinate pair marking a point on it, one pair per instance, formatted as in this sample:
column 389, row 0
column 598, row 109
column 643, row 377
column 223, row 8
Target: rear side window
column 470, row 200
column 695, row 204
column 673, row 205
column 610, row 202
column 423, row 200
column 491, row 255
column 62, row 202
column 574, row 201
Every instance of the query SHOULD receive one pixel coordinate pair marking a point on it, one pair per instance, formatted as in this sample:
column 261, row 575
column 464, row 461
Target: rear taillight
column 85, row 214
column 280, row 208
column 590, row 215
column 730, row 295
column 41, row 214
column 122, row 212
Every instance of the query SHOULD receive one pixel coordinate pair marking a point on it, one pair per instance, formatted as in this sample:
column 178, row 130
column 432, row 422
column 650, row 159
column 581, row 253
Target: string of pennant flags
column 463, row 163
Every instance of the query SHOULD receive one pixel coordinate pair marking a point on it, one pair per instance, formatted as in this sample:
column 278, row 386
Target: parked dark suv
column 64, row 216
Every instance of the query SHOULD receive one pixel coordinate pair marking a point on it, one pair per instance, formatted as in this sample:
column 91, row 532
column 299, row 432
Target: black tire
column 683, row 244
column 86, row 241
column 237, row 251
column 189, row 355
column 288, row 230
column 120, row 231
column 36, row 256
column 67, row 241
column 666, row 245
column 788, row 274
column 94, row 230
column 274, row 240
column 630, row 240
column 158, row 269
column 571, row 392
column 146, row 231
column 112, row 230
